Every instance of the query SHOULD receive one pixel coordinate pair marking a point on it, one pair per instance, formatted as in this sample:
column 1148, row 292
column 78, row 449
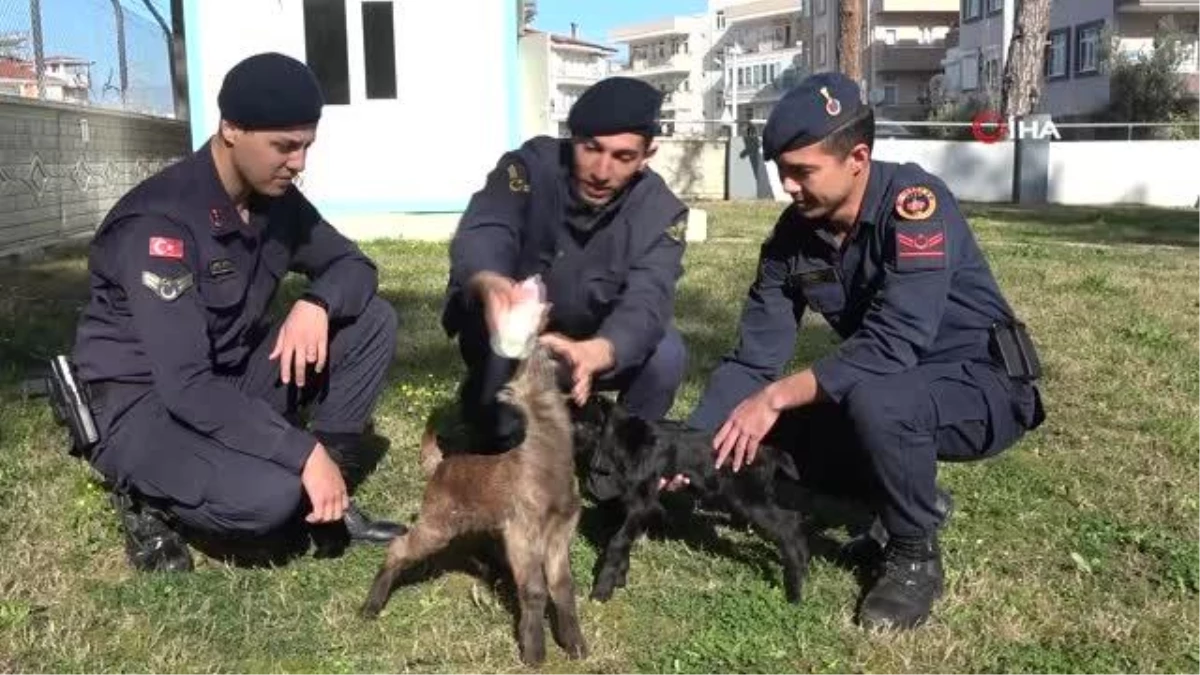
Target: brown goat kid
column 527, row 495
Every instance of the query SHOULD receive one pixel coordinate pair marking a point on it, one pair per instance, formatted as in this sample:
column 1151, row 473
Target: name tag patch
column 220, row 268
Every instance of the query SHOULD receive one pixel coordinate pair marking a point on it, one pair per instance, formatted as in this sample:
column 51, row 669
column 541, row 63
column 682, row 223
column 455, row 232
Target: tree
column 1146, row 85
column 1026, row 51
column 850, row 29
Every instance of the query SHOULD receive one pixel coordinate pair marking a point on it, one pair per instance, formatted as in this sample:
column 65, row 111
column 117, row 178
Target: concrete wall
column 62, row 167
column 1086, row 172
column 1113, row 172
column 694, row 169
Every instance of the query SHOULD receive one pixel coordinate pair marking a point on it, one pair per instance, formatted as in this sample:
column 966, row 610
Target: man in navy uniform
column 883, row 253
column 606, row 235
column 193, row 389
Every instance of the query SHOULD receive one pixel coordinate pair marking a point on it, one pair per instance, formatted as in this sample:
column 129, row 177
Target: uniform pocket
column 826, row 298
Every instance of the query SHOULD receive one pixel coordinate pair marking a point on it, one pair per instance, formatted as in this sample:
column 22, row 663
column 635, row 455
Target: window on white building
column 821, row 7
column 926, row 36
column 994, row 6
column 970, row 72
column 822, row 49
column 325, row 48
column 889, row 36
column 379, row 49
column 891, row 93
column 721, row 20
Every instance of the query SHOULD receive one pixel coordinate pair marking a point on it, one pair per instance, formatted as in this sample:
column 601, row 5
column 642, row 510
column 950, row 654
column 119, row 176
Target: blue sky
column 597, row 17
column 86, row 29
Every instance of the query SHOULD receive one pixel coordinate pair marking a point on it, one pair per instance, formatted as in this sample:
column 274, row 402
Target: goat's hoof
column 533, row 655
column 368, row 612
column 601, row 594
column 577, row 651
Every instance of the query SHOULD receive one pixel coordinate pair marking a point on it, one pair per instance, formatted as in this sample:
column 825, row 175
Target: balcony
column 651, row 29
column 676, row 64
column 907, row 58
column 761, row 9
column 918, row 6
column 580, row 76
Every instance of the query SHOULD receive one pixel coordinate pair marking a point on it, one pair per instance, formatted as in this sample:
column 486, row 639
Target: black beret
column 815, row 108
column 270, row 91
column 616, row 105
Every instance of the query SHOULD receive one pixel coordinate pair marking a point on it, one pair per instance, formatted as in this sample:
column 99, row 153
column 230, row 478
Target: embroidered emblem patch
column 220, row 267
column 165, row 247
column 167, row 289
column 678, row 230
column 832, row 106
column 516, row 179
column 916, row 203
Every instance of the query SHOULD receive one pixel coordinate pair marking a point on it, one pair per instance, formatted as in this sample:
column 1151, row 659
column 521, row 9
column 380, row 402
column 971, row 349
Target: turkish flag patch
column 165, row 247
column 921, row 247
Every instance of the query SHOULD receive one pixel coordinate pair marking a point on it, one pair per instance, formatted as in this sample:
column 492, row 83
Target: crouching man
column 932, row 365
column 192, row 389
column 606, row 235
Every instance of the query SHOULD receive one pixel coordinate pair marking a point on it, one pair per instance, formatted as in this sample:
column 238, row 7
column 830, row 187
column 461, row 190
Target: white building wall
column 426, row 151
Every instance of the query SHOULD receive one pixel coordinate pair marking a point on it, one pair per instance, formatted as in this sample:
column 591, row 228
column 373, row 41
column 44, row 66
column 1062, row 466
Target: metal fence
column 113, row 54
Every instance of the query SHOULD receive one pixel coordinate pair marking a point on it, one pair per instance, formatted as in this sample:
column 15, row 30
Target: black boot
column 909, row 582
column 866, row 549
column 150, row 544
column 355, row 460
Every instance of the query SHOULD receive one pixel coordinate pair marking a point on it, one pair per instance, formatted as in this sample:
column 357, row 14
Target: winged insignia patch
column 165, row 288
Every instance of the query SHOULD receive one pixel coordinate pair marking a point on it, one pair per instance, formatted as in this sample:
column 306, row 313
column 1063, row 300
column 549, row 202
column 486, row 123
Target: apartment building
column 556, row 69
column 733, row 62
column 1075, row 85
column 669, row 54
column 904, row 50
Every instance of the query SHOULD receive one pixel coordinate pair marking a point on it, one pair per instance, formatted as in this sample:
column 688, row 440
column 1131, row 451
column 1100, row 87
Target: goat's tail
column 431, row 454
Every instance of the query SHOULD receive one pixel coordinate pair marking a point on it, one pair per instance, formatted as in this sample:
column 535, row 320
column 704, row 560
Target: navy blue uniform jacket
column 618, row 282
column 909, row 286
column 180, row 288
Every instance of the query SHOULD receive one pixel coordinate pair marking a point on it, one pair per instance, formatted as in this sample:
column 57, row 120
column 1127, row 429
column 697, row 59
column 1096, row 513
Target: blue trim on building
column 195, row 74
column 512, row 67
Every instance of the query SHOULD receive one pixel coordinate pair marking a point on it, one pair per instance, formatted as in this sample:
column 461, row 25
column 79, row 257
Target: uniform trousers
column 222, row 490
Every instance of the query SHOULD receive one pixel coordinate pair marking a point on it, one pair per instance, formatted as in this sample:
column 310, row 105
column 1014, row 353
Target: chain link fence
column 112, row 54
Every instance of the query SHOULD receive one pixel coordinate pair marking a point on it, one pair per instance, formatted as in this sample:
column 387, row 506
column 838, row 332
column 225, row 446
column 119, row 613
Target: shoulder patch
column 166, row 288
column 916, row 203
column 678, row 230
column 517, row 181
column 921, row 246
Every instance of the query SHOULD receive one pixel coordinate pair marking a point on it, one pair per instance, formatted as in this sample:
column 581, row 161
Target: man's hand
column 587, row 357
column 326, row 490
column 747, row 425
column 497, row 293
column 303, row 339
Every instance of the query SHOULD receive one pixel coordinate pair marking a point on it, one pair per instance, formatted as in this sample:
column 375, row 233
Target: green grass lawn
column 1075, row 551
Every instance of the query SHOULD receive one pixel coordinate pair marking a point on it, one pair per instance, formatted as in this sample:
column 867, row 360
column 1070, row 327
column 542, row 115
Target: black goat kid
column 624, row 457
